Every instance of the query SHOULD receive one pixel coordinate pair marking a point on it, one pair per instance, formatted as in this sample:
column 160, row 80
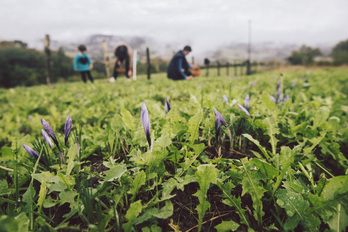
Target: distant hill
column 265, row 51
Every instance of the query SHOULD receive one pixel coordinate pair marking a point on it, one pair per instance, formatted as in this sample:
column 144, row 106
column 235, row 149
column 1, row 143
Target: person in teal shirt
column 83, row 64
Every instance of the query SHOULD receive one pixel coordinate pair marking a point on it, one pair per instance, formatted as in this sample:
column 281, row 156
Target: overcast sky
column 201, row 23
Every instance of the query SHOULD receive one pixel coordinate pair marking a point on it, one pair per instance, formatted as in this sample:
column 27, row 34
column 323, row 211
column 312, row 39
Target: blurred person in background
column 179, row 68
column 83, row 64
column 124, row 61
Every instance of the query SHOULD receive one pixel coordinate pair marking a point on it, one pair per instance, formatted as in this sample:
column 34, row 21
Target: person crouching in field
column 123, row 54
column 83, row 64
column 178, row 68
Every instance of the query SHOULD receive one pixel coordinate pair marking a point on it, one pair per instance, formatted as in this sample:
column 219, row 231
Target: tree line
column 305, row 55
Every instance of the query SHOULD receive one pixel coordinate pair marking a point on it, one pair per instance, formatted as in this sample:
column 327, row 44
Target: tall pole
column 48, row 59
column 148, row 63
column 249, row 49
column 106, row 58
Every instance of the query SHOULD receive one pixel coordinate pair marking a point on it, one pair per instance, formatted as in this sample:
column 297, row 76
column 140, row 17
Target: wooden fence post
column 106, row 59
column 148, row 63
column 218, row 68
column 134, row 64
column 241, row 68
column 227, row 69
column 48, row 59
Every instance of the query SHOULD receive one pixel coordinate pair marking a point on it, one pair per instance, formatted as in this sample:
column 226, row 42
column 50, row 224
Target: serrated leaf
column 272, row 131
column 205, row 175
column 72, row 153
column 67, row 197
column 193, row 126
column 320, row 117
column 226, row 226
column 163, row 141
column 127, row 119
column 115, row 172
column 257, row 143
column 336, row 187
column 139, row 180
column 251, row 184
column 132, row 213
column 42, row 195
column 266, row 168
column 292, row 202
column 43, row 177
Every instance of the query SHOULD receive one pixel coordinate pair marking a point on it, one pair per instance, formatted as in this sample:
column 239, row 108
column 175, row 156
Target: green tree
column 339, row 53
column 304, row 56
column 61, row 65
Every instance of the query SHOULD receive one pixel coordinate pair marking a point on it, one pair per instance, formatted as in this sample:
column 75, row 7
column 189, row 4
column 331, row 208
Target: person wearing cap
column 123, row 54
column 83, row 64
column 179, row 68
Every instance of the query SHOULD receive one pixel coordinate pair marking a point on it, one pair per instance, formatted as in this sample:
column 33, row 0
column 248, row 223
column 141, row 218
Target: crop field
column 265, row 152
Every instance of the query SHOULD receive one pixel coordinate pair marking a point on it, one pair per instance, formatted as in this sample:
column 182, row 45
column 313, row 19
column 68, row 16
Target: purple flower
column 287, row 98
column 67, row 129
column 244, row 110
column 246, row 102
column 167, row 106
column 280, row 99
column 145, row 120
column 218, row 120
column 273, row 99
column 31, row 151
column 225, row 99
column 50, row 132
column 47, row 138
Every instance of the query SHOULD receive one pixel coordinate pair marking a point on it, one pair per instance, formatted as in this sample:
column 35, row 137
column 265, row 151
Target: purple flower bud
column 244, row 110
column 286, row 98
column 273, row 99
column 145, row 120
column 280, row 99
column 246, row 102
column 67, row 129
column 225, row 99
column 219, row 116
column 50, row 132
column 167, row 106
column 47, row 138
column 218, row 120
column 31, row 151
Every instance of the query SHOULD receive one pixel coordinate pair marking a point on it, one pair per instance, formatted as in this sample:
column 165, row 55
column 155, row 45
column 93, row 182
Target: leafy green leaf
column 131, row 215
column 266, row 168
column 115, row 172
column 337, row 187
column 272, row 131
column 292, row 202
column 205, row 175
column 226, row 226
column 138, row 181
column 193, row 126
column 127, row 119
column 257, row 143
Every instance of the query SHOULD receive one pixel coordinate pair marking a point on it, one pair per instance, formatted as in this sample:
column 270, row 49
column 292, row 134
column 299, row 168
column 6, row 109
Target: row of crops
column 266, row 152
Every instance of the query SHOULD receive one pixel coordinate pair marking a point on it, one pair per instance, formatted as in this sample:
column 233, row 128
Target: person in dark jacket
column 123, row 54
column 83, row 64
column 178, row 68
